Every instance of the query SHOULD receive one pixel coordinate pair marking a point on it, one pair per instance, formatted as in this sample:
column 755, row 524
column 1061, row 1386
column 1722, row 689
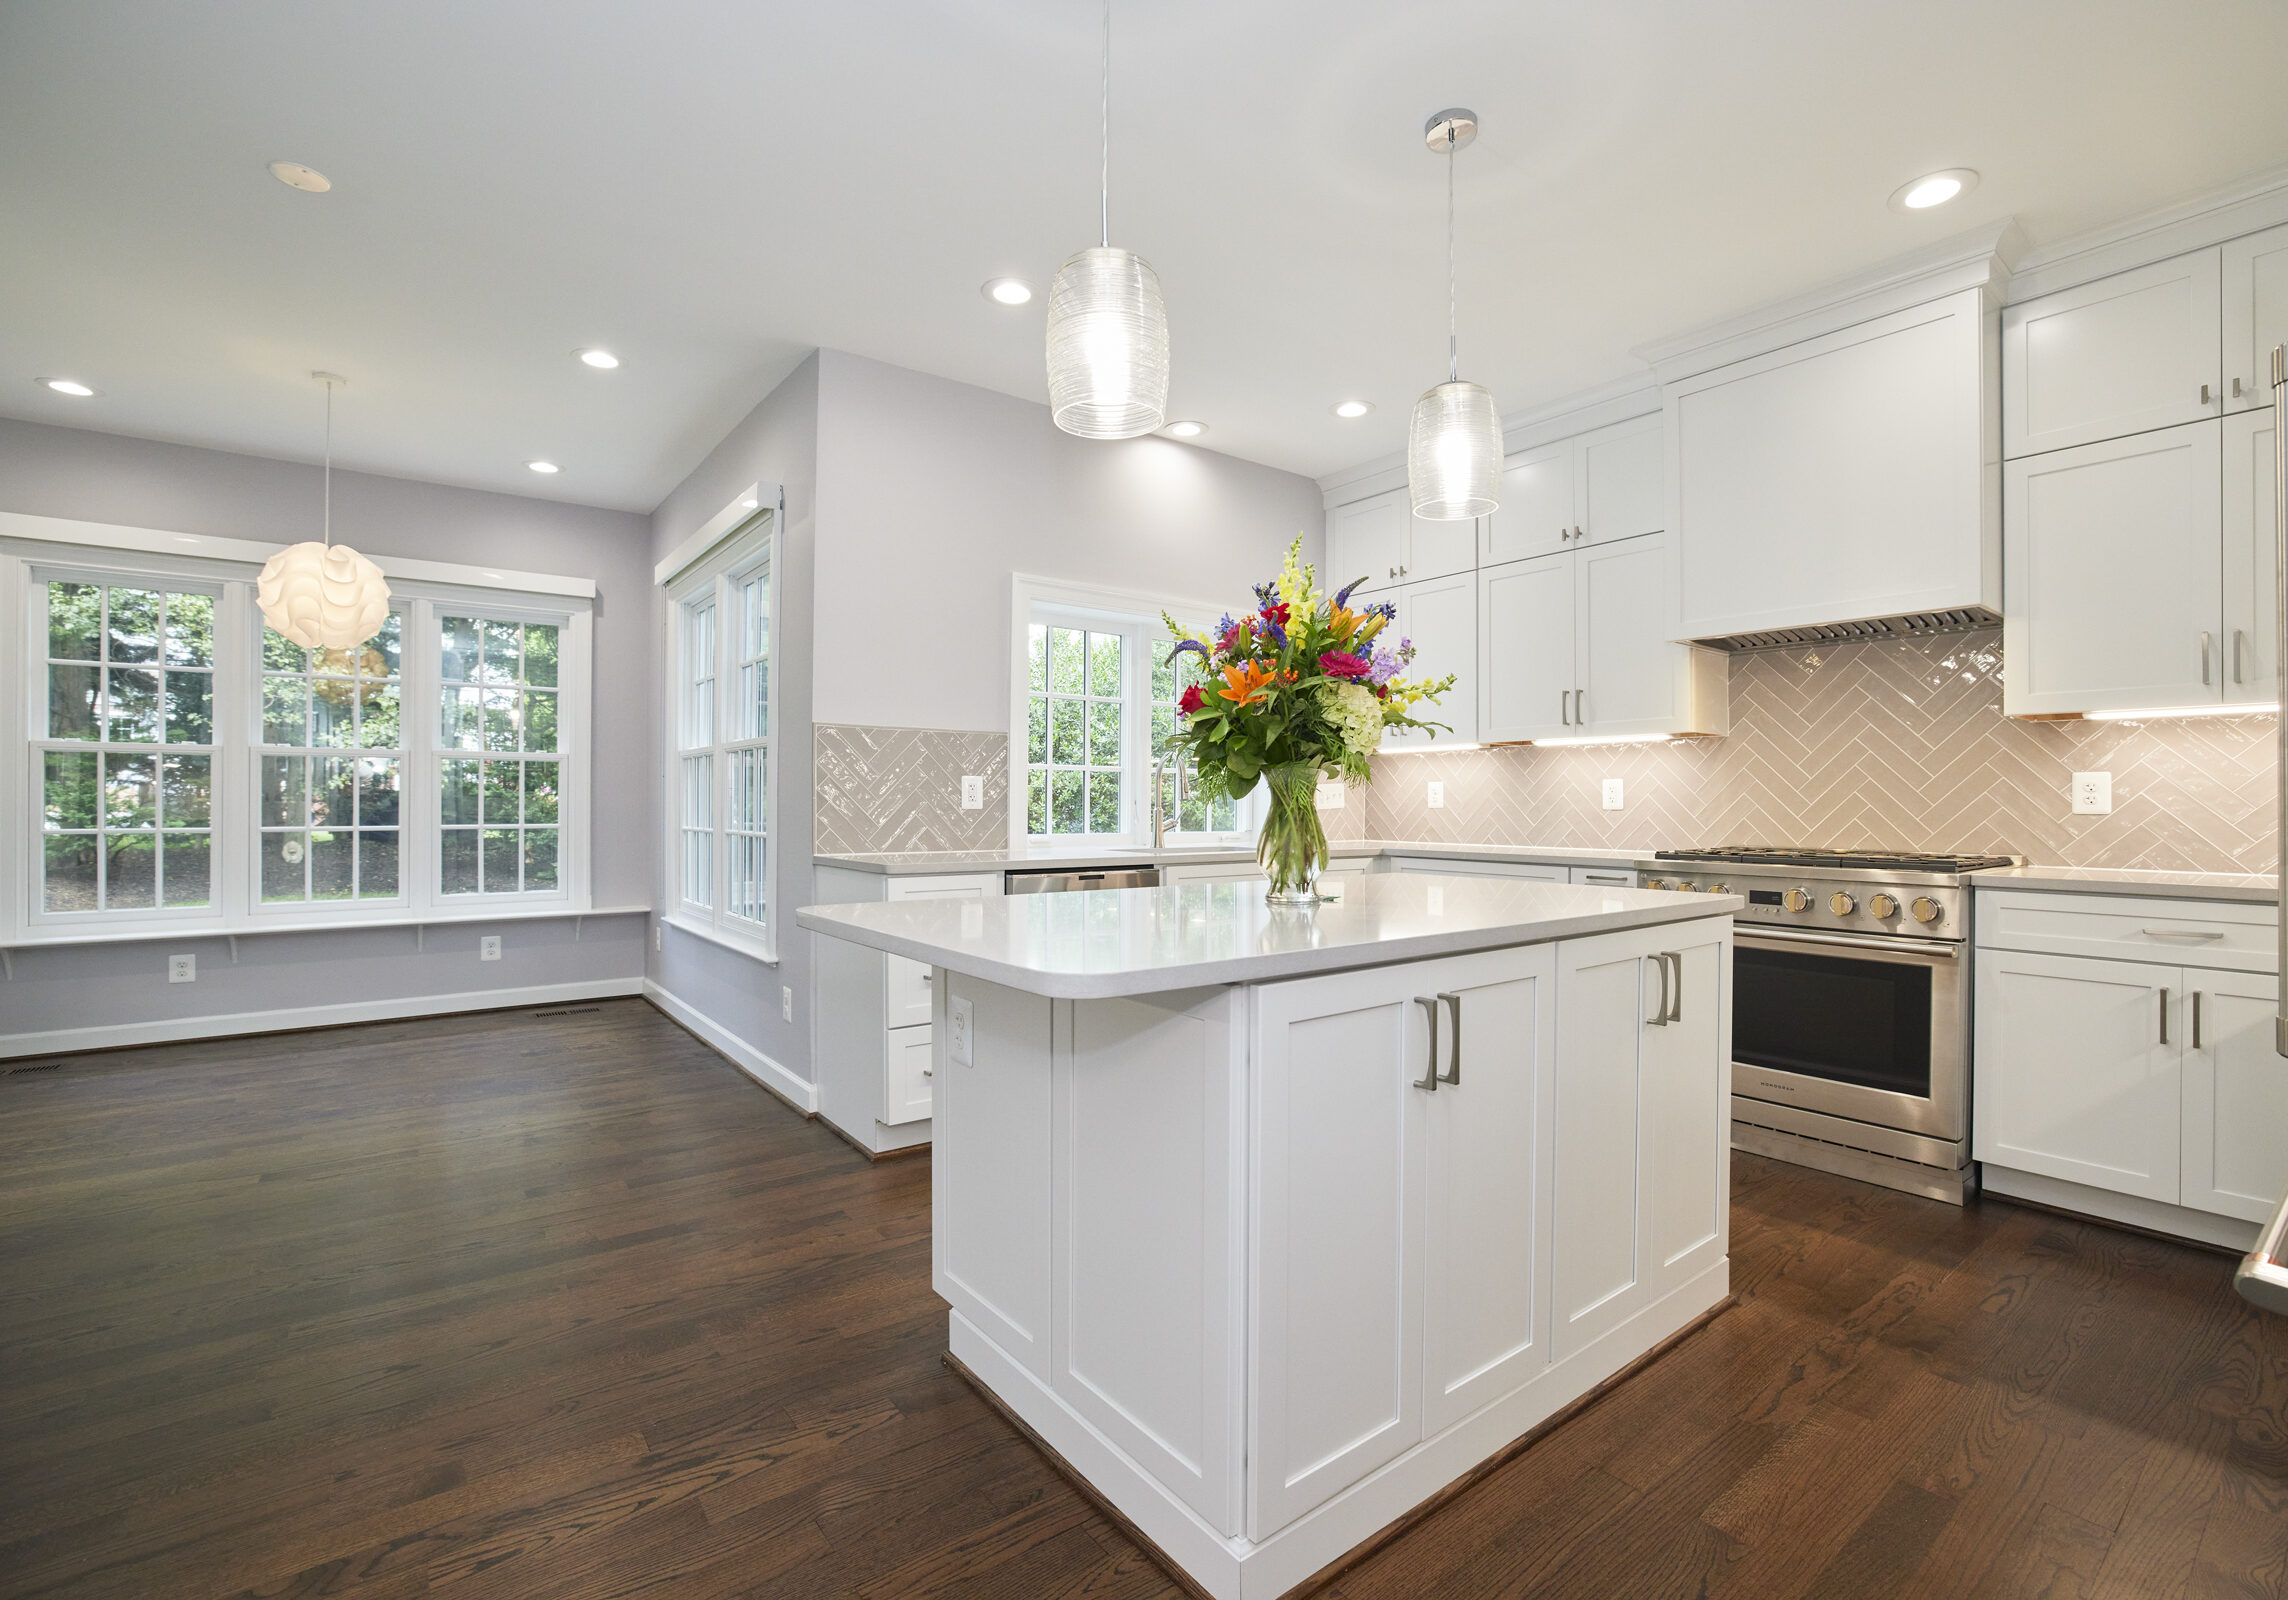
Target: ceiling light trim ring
column 1964, row 179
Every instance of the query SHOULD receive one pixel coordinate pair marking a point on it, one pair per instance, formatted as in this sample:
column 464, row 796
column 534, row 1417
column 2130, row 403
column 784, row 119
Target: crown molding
column 1980, row 258
column 2249, row 206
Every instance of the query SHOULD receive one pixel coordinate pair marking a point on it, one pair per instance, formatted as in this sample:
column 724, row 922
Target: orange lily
column 1246, row 682
column 1341, row 620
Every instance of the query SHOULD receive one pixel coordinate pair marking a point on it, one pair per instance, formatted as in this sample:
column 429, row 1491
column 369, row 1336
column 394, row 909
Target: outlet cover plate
column 1437, row 795
column 182, row 969
column 973, row 794
column 958, row 1018
column 488, row 947
column 1612, row 794
column 2092, row 794
column 786, row 1004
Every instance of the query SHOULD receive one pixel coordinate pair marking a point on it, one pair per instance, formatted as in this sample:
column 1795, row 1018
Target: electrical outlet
column 786, row 1004
column 658, row 937
column 2092, row 794
column 1435, row 901
column 1612, row 794
column 182, row 969
column 973, row 794
column 1437, row 795
column 488, row 947
column 957, row 1023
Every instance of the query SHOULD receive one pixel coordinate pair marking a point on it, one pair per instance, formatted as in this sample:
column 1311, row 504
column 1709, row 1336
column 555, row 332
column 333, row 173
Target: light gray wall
column 777, row 443
column 97, row 477
column 932, row 494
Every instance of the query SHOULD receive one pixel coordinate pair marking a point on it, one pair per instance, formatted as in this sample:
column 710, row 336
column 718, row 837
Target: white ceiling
column 711, row 187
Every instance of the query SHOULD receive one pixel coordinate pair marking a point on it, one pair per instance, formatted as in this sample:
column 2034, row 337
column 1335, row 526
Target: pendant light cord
column 329, row 514
column 1104, row 177
column 1453, row 340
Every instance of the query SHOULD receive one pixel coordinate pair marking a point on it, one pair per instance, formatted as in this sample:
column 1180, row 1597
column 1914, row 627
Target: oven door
column 1870, row 1029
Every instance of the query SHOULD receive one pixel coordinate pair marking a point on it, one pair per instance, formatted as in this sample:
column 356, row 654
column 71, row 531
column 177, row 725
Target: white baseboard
column 802, row 1096
column 2154, row 1216
column 222, row 1024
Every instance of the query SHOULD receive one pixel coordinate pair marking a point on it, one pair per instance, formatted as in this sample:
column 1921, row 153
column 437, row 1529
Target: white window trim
column 227, row 568
column 1112, row 610
column 745, row 534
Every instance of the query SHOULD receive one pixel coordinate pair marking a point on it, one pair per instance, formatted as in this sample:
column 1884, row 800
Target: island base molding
column 1310, row 1551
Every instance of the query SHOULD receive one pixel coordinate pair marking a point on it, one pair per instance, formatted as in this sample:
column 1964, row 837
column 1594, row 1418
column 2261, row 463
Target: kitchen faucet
column 1160, row 804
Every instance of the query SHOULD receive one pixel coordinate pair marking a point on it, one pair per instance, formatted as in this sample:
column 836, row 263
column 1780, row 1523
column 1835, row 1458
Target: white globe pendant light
column 1454, row 450
column 323, row 595
column 1108, row 331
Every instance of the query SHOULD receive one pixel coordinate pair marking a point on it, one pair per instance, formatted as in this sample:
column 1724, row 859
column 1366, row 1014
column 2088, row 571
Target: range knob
column 1884, row 905
column 1797, row 900
column 1719, row 888
column 1658, row 883
column 1841, row 904
column 1926, row 909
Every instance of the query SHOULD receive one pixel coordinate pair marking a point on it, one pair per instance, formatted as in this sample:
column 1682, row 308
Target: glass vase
column 1292, row 849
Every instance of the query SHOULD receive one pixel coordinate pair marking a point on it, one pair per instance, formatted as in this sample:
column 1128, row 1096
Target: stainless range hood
column 1912, row 625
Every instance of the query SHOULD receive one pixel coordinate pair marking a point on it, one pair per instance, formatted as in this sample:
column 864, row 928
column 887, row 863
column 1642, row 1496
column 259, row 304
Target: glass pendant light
column 1108, row 331
column 323, row 595
column 1454, row 451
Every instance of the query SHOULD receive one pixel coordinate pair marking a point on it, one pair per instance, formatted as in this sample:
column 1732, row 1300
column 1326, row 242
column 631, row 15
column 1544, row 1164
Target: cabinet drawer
column 2192, row 933
column 906, row 1076
column 1532, row 871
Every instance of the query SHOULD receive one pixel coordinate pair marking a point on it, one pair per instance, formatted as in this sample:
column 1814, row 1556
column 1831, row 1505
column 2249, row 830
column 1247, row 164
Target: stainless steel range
column 1850, row 1007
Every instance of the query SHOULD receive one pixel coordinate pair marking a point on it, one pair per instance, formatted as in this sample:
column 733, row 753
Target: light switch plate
column 182, row 969
column 2092, row 794
column 973, row 794
column 488, row 947
column 1612, row 794
column 957, row 1021
column 1437, row 795
column 1331, row 794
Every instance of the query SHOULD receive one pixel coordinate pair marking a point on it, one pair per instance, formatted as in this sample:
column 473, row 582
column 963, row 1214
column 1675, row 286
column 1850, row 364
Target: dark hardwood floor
column 562, row 1306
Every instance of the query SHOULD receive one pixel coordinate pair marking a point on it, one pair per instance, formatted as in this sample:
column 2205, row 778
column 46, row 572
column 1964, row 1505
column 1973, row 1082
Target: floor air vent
column 45, row 1066
column 1912, row 625
column 567, row 1011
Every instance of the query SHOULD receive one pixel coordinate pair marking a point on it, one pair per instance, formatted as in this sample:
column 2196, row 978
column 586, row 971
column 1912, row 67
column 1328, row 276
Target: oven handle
column 1907, row 947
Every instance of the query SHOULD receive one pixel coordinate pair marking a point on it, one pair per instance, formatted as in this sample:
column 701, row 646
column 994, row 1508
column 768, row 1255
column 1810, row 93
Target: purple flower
column 1266, row 594
column 1187, row 644
column 1277, row 634
column 1344, row 593
column 1383, row 609
column 1383, row 666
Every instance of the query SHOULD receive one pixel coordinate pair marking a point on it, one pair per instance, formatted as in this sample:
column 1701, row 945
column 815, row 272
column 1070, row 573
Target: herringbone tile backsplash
column 1892, row 745
column 885, row 789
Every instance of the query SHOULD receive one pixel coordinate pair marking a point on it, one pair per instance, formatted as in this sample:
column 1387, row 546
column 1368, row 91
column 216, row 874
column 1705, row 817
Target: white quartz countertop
column 914, row 863
column 1109, row 942
column 2253, row 887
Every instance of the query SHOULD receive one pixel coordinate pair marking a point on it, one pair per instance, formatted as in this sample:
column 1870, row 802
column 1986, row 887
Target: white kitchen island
column 1274, row 1223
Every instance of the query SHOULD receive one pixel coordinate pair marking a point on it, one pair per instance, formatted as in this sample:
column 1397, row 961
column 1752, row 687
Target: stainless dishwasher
column 1063, row 880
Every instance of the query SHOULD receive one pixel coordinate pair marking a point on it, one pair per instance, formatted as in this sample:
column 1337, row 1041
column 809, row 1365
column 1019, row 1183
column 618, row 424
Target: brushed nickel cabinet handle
column 1429, row 1078
column 2239, row 653
column 1565, row 706
column 1676, row 1006
column 1454, row 1046
column 1659, row 1017
column 2196, row 1019
column 2205, row 642
column 2204, row 394
column 2164, row 1016
column 2236, row 388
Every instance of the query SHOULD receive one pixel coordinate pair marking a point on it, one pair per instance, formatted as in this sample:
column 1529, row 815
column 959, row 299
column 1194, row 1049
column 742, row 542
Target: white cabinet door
column 1485, row 1329
column 2255, row 315
column 1537, row 509
column 1687, row 1165
column 2235, row 1098
column 1598, row 1277
column 2251, row 668
column 2078, row 1067
column 1630, row 675
column 1367, row 540
column 906, row 1074
column 1525, row 650
column 989, row 1180
column 1441, row 617
column 1619, row 481
column 2113, row 576
column 2126, row 354
column 1337, row 1159
column 908, row 982
column 1439, row 549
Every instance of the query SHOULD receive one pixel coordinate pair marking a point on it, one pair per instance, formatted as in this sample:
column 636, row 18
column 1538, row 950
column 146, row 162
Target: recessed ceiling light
column 1934, row 189
column 602, row 359
column 70, row 386
column 1186, row 430
column 544, row 466
column 296, row 176
column 1007, row 291
column 1352, row 408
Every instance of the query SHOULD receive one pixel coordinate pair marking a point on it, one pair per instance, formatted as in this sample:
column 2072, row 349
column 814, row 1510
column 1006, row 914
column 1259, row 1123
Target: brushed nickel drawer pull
column 2180, row 933
column 1429, row 1078
column 2164, row 1016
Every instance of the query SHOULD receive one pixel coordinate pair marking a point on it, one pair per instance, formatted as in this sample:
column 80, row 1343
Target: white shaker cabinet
column 2234, row 1158
column 1441, row 616
column 2125, row 354
column 1379, row 540
column 2255, row 316
column 2114, row 596
column 1596, row 486
column 1536, row 514
column 1436, row 549
column 2251, row 667
column 1525, row 650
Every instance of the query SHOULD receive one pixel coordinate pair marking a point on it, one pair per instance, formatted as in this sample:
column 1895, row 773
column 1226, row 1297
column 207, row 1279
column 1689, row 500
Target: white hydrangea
column 1355, row 713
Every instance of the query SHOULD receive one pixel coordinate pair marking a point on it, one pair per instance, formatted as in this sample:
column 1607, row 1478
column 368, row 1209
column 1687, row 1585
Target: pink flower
column 1342, row 664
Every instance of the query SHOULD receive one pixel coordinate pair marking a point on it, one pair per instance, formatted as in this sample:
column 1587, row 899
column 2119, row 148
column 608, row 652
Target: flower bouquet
column 1299, row 689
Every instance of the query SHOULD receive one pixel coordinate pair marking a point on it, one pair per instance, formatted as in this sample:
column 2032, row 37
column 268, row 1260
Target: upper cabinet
column 2123, row 355
column 1584, row 490
column 1379, row 540
column 2255, row 316
column 1840, row 477
column 1441, row 616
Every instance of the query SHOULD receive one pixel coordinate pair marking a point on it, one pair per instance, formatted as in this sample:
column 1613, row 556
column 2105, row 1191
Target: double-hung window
column 720, row 765
column 174, row 764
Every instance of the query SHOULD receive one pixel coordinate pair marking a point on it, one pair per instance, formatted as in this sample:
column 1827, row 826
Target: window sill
column 256, row 930
column 752, row 948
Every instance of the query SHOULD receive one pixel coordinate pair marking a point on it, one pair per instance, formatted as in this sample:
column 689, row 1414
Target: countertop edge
column 2261, row 890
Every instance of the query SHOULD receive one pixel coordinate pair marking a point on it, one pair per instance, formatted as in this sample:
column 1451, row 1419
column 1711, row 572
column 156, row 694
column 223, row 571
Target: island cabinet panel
column 990, row 1187
column 1485, row 1319
column 1597, row 1272
column 1147, row 1107
column 1687, row 1088
column 2235, row 1097
column 1335, row 1364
